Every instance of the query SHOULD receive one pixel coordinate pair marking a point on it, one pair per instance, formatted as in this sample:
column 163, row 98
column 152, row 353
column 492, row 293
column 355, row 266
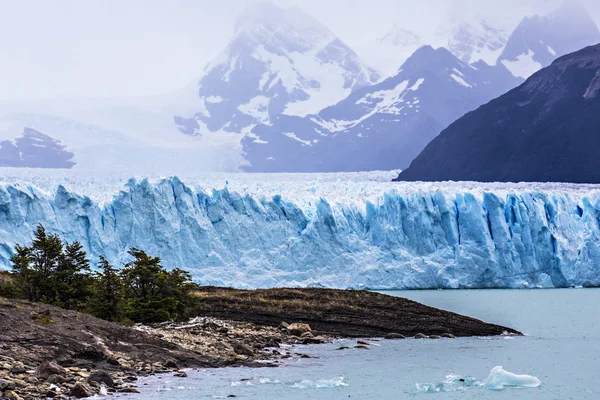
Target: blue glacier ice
column 382, row 235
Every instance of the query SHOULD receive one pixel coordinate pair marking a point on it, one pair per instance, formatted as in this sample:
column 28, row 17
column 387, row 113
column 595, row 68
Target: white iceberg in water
column 499, row 379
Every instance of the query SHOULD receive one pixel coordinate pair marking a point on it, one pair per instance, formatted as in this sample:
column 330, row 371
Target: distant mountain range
column 386, row 125
column 539, row 40
column 280, row 61
column 383, row 126
column 33, row 149
column 546, row 130
column 287, row 94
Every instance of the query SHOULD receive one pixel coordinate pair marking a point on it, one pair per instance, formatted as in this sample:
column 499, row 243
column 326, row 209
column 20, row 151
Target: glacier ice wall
column 376, row 235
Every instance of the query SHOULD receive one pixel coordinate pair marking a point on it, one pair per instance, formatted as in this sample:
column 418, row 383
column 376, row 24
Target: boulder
column 171, row 364
column 5, row 384
column 81, row 390
column 283, row 326
column 242, row 349
column 47, row 368
column 102, row 377
column 298, row 329
column 18, row 368
column 393, row 336
column 55, row 379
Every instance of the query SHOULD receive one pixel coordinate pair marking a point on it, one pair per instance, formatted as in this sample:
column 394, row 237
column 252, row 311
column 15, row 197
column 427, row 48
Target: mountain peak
column 265, row 21
column 477, row 40
column 543, row 131
column 570, row 10
column 280, row 60
column 257, row 13
column 398, row 36
column 279, row 30
column 426, row 57
column 539, row 40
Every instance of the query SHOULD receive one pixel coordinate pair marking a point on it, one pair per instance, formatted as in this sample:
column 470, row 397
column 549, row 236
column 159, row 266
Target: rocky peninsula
column 49, row 352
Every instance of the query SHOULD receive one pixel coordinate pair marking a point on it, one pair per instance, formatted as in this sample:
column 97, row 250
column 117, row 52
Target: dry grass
column 336, row 312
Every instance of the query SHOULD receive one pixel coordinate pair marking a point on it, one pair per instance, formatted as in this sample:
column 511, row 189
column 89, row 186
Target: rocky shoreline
column 48, row 352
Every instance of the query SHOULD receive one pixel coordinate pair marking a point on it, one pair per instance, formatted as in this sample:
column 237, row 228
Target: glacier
column 330, row 230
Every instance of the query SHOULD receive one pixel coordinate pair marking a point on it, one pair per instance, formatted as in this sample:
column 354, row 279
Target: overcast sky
column 108, row 48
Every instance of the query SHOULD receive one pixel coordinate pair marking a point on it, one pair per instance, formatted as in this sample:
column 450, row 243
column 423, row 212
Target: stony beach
column 48, row 352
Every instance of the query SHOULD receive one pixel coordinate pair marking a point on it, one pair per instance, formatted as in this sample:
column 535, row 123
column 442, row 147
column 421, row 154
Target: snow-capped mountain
column 280, row 61
column 546, row 130
column 539, row 40
column 477, row 41
column 470, row 41
column 112, row 141
column 381, row 127
column 391, row 50
column 33, row 149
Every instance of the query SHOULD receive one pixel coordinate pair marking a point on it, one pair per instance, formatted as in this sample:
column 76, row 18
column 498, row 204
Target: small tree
column 8, row 287
column 107, row 301
column 25, row 277
column 72, row 279
column 52, row 272
column 35, row 266
column 153, row 294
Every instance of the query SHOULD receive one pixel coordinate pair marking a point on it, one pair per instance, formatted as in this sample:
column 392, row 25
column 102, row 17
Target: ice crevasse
column 333, row 234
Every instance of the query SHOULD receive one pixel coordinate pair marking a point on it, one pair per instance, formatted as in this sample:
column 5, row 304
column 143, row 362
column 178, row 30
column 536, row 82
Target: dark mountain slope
column 547, row 129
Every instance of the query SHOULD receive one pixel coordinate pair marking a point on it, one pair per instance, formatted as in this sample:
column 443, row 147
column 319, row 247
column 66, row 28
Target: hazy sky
column 107, row 48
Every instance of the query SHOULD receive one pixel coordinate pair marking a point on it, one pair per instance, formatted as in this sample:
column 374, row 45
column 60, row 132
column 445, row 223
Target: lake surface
column 562, row 349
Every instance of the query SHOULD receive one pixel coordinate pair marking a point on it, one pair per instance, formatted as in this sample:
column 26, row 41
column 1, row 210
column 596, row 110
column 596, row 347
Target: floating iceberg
column 497, row 380
column 452, row 383
column 320, row 384
column 323, row 232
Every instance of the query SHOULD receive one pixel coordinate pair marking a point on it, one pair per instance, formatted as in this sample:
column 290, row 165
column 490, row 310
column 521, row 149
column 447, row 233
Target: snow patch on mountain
column 476, row 41
column 470, row 41
column 524, row 66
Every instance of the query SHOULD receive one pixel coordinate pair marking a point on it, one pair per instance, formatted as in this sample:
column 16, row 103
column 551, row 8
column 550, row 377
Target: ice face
column 323, row 232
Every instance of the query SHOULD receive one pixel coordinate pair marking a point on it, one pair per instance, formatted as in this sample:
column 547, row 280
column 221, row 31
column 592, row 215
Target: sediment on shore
column 47, row 351
column 343, row 313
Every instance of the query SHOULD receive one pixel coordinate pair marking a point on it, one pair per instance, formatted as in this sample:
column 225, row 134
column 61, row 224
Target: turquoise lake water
column 562, row 349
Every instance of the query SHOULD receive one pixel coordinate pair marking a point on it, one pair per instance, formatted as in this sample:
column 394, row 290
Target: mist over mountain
column 539, row 40
column 288, row 93
column 280, row 61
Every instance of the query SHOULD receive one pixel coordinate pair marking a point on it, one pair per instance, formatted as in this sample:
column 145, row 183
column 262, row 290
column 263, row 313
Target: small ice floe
column 453, row 383
column 497, row 380
column 323, row 383
column 255, row 382
column 103, row 390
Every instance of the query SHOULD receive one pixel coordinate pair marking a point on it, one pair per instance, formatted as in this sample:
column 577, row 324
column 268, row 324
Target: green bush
column 58, row 273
